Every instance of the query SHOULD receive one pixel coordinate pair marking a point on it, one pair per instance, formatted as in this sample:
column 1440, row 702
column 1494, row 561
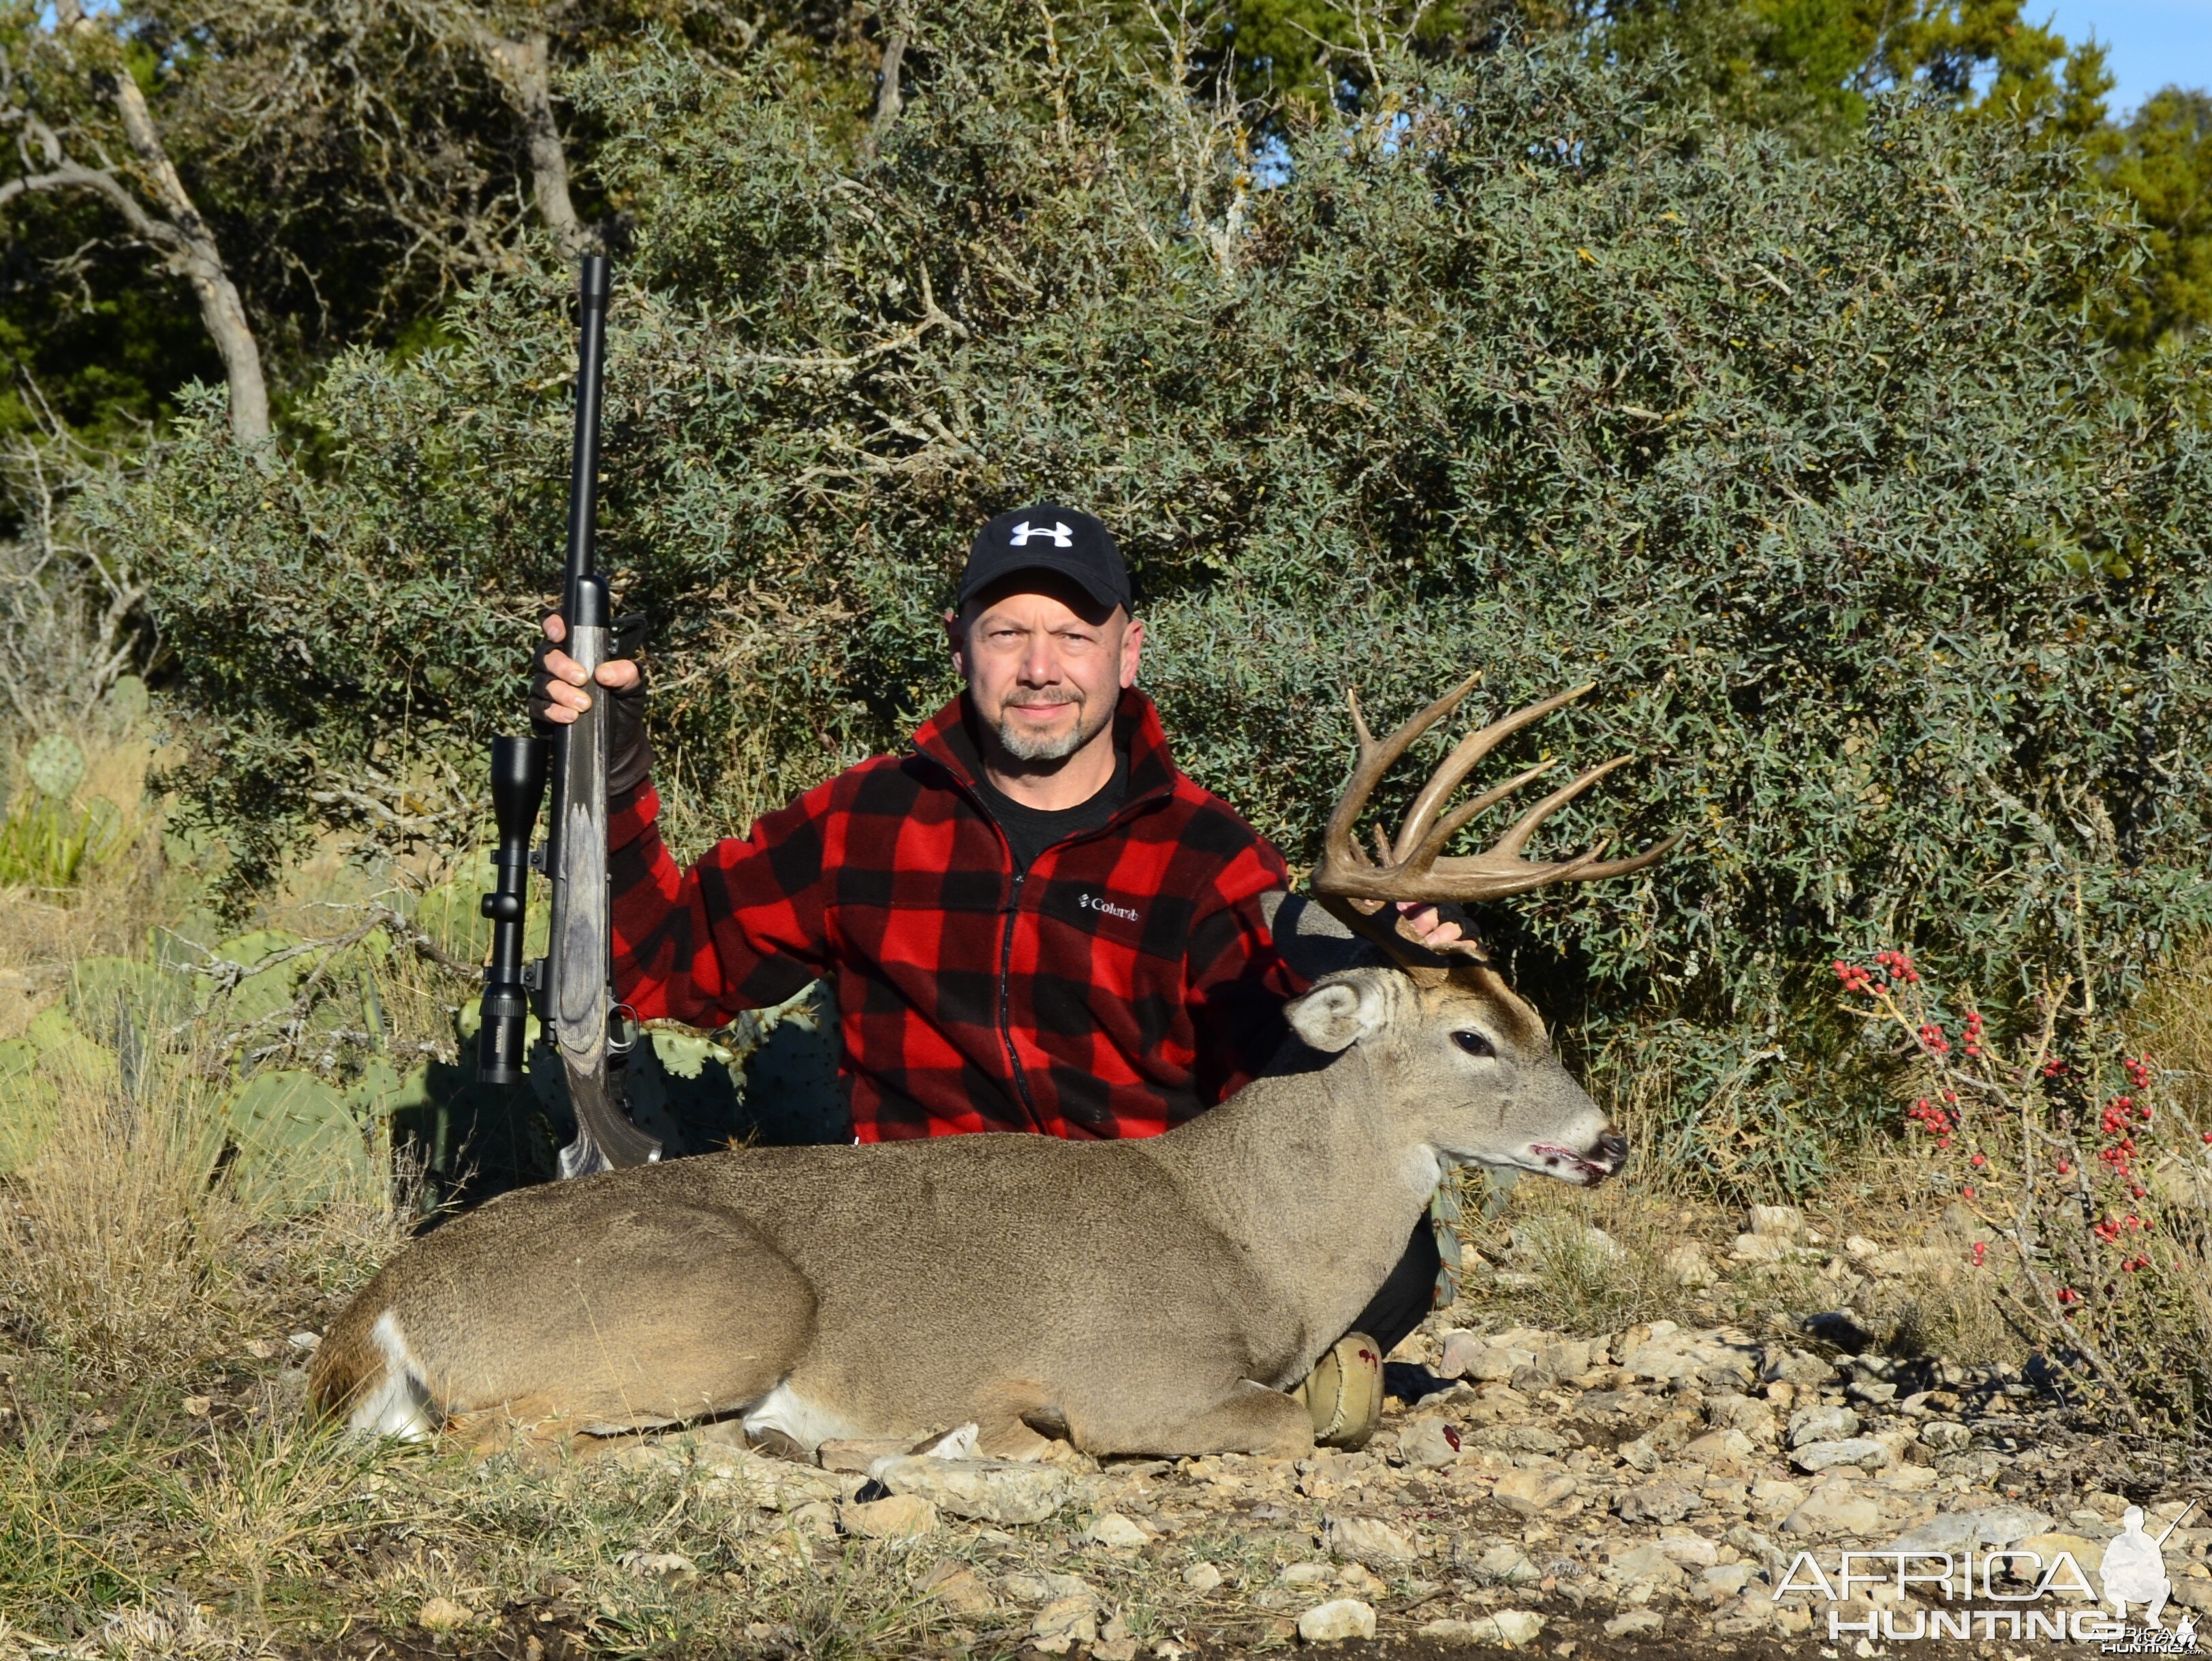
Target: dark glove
column 630, row 752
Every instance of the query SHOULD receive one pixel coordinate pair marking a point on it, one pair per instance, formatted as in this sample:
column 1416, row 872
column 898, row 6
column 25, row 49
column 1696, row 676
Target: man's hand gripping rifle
column 570, row 988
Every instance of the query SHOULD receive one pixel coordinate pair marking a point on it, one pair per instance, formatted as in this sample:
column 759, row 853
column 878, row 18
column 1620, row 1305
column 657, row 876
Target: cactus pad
column 56, row 765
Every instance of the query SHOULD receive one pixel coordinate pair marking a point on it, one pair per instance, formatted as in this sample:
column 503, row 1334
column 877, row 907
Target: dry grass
column 119, row 1245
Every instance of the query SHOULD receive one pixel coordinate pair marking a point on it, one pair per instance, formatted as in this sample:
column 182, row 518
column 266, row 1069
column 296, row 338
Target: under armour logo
column 1060, row 535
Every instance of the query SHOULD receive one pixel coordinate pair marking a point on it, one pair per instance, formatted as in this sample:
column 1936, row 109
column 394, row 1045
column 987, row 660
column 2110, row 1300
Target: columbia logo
column 1099, row 903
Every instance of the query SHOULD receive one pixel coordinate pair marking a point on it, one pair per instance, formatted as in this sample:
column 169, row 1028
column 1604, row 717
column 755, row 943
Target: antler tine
column 1651, row 855
column 1460, row 761
column 1516, row 838
column 1424, row 858
column 1340, row 849
column 1488, row 878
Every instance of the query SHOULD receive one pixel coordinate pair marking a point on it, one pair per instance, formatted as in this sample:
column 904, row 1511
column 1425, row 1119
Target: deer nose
column 1611, row 1152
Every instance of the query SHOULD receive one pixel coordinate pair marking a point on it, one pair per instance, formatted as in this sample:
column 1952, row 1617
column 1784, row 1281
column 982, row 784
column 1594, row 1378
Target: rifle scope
column 518, row 785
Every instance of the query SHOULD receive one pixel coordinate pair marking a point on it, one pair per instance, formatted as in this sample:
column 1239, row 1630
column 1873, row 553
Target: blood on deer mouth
column 1589, row 1172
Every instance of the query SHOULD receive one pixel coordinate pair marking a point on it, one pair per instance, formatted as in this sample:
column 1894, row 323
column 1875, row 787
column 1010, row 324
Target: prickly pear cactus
column 101, row 988
column 56, row 765
column 299, row 1144
column 27, row 1104
column 128, row 701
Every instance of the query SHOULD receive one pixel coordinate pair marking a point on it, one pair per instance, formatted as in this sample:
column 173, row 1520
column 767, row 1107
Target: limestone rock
column 1644, row 1566
column 1063, row 1623
column 1429, row 1444
column 1796, row 1366
column 1114, row 1642
column 1517, row 1626
column 1376, row 1544
column 1773, row 1499
column 1763, row 1249
column 671, row 1566
column 2009, row 1525
column 1472, row 1355
column 987, row 1490
column 1834, row 1508
column 1692, row 1551
column 1688, row 1267
column 1821, row 1424
column 1784, row 1222
column 1337, row 1620
column 1731, row 1410
column 1534, row 1490
column 1031, row 1590
column 738, row 1473
column 1657, row 1502
column 1862, row 1451
column 2189, row 1591
column 1114, row 1529
column 1501, row 1564
column 1513, row 1629
column 959, row 1591
column 1202, row 1577
column 1718, row 1447
column 1635, row 1623
column 1724, row 1580
column 901, row 1517
column 1945, row 1436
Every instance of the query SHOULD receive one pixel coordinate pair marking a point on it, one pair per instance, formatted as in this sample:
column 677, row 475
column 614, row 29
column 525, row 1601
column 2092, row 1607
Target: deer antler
column 1413, row 865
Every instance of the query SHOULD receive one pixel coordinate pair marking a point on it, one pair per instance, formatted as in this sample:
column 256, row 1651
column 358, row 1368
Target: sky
column 2149, row 44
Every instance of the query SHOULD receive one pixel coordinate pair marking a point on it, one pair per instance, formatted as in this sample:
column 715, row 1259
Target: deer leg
column 1251, row 1419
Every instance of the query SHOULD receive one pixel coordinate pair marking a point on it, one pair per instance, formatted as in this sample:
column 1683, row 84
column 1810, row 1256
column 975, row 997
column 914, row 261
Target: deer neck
column 1310, row 1172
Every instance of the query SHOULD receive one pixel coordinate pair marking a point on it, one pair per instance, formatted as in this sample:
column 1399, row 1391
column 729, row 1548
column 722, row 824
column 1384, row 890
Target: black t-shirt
column 1030, row 831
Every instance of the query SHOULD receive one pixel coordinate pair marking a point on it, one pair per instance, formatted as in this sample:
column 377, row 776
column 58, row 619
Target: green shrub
column 1808, row 460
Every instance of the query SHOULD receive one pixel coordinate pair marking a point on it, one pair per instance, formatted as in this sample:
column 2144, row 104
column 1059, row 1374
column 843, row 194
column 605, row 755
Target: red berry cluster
column 1970, row 1041
column 1932, row 1039
column 1894, row 968
column 1938, row 1123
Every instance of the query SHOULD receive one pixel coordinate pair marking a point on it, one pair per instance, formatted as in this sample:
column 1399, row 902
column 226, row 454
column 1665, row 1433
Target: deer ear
column 1337, row 1013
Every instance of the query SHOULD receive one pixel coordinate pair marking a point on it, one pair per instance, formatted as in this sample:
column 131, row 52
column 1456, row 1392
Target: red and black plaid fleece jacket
column 1125, row 982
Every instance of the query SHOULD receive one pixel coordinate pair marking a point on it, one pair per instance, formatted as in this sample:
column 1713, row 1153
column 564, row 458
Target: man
column 1032, row 921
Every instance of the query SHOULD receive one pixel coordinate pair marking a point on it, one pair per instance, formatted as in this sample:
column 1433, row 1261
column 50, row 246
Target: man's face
column 1044, row 666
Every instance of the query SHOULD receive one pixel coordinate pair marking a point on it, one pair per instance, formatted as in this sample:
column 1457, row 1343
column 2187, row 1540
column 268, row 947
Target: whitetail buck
column 1155, row 1296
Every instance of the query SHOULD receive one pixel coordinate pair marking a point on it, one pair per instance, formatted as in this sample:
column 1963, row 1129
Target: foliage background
column 1855, row 447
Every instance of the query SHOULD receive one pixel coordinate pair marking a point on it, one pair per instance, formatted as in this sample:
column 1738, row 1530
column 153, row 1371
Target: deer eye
column 1475, row 1043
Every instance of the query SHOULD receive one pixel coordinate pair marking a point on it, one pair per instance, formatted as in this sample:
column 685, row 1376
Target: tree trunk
column 521, row 67
column 888, row 99
column 195, row 252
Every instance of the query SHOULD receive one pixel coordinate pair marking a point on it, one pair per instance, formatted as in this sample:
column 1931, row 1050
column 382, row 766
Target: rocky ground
column 1588, row 1497
column 1570, row 1495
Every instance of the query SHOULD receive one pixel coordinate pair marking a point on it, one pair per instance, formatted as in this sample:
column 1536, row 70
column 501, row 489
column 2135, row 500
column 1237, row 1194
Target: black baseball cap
column 1048, row 538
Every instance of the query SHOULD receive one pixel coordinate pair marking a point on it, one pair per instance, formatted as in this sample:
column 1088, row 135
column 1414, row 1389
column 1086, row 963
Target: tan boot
column 1344, row 1392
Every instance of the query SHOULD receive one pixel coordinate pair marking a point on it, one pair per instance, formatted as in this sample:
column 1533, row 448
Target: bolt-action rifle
column 570, row 988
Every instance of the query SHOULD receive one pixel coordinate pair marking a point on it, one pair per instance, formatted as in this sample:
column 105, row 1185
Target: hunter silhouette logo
column 2133, row 1569
column 1060, row 535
